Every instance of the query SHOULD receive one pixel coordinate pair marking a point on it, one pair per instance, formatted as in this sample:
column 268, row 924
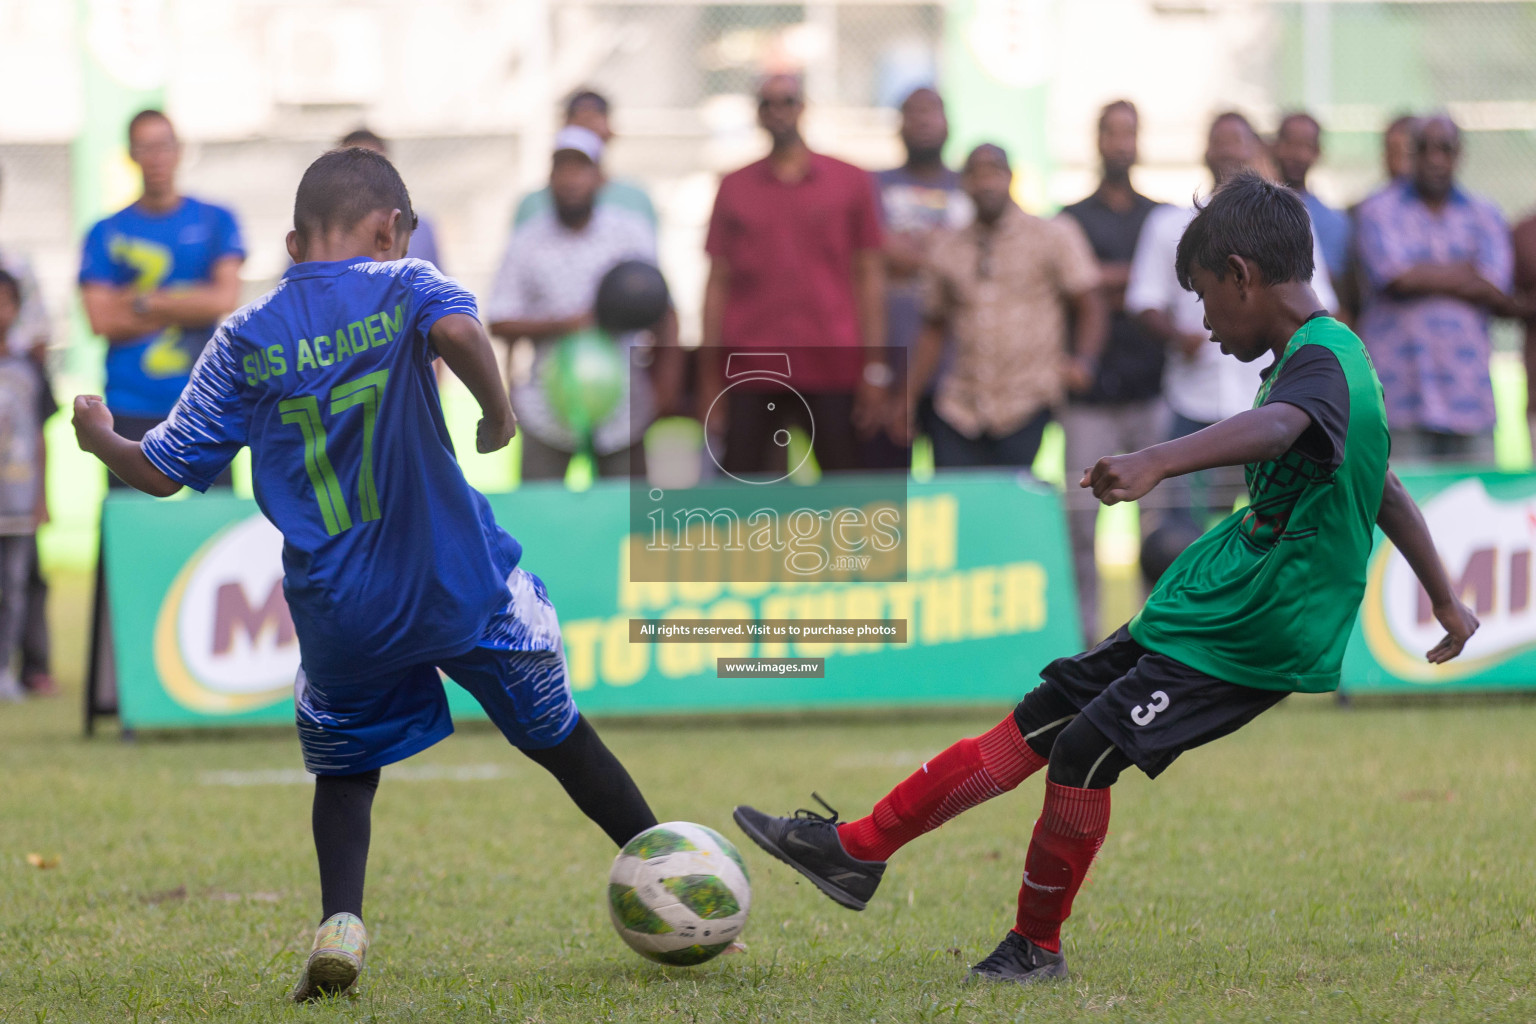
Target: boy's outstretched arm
column 1400, row 519
column 1257, row 435
column 94, row 434
column 461, row 341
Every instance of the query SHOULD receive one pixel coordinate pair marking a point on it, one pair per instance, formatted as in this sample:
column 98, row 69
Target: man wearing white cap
column 546, row 289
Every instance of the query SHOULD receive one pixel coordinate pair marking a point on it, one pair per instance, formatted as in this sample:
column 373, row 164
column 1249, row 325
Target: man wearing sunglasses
column 1437, row 266
column 796, row 266
column 1000, row 293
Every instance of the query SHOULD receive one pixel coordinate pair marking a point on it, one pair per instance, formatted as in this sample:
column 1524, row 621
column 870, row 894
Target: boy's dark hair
column 583, row 97
column 344, row 186
column 1252, row 217
column 1109, row 108
column 362, row 137
column 149, row 114
column 9, row 283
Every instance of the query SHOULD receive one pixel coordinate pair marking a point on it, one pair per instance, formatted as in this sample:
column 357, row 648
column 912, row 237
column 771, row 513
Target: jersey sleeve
column 438, row 296
column 96, row 264
column 1313, row 381
column 207, row 427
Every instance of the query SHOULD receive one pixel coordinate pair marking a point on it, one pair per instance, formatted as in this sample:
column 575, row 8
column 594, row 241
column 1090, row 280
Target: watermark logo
column 224, row 640
column 760, row 385
column 798, row 475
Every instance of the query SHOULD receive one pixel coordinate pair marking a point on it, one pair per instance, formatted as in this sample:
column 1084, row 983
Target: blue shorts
column 516, row 672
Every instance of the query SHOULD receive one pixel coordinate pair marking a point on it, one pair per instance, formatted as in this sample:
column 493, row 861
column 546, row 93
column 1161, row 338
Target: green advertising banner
column 1485, row 527
column 203, row 637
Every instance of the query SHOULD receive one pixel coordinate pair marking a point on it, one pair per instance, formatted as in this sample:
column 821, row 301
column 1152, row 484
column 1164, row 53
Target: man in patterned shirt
column 1437, row 265
column 1002, row 289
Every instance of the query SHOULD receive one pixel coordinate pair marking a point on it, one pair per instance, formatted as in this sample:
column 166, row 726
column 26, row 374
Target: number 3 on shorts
column 304, row 412
column 1142, row 714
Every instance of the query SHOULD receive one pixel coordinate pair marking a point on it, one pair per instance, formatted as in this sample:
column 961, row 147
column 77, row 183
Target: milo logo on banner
column 224, row 641
column 1486, row 541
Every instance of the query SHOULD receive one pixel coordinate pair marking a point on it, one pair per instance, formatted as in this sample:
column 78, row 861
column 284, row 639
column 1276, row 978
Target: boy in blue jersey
column 393, row 566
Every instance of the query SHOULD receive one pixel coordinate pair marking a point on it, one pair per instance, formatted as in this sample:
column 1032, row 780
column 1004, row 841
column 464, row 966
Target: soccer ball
column 678, row 893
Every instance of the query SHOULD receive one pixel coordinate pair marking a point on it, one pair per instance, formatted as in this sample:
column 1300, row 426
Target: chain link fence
column 1359, row 65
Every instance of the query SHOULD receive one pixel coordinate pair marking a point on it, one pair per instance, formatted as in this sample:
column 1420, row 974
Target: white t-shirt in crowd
column 1209, row 385
column 551, row 272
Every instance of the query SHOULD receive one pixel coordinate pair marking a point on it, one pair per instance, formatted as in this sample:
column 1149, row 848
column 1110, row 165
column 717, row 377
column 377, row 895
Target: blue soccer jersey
column 390, row 558
column 149, row 251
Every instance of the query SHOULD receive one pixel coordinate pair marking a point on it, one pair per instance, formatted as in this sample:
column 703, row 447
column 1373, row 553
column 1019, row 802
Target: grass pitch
column 1372, row 864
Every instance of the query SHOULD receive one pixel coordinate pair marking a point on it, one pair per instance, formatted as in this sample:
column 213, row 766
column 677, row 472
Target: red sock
column 961, row 777
column 1070, row 831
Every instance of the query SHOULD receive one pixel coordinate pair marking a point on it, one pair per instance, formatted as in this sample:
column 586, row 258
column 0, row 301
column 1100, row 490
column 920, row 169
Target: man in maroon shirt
column 795, row 267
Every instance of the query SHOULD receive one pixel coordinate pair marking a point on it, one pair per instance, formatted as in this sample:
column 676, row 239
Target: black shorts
column 1150, row 706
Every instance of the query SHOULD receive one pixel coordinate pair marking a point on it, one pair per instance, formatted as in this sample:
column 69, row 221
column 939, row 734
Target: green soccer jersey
column 1268, row 597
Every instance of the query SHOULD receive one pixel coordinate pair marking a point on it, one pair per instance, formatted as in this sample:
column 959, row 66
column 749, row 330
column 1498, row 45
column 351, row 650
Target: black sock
column 341, row 819
column 597, row 782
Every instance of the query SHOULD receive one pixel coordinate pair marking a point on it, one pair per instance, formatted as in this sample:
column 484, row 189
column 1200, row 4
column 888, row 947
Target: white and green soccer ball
column 678, row 893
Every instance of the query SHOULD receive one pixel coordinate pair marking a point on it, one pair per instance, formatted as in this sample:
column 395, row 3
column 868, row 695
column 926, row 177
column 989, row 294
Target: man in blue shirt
column 1437, row 266
column 155, row 279
column 393, row 566
column 1298, row 146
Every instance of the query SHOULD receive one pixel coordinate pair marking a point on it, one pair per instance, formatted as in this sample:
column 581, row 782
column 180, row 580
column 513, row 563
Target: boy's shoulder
column 406, row 266
column 252, row 313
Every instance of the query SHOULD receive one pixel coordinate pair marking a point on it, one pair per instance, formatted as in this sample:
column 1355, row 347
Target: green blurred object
column 584, row 380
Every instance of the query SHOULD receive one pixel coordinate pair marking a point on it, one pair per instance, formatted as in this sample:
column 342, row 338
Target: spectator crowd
column 918, row 301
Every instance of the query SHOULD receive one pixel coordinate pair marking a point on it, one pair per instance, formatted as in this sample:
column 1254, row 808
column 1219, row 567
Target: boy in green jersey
column 1214, row 645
